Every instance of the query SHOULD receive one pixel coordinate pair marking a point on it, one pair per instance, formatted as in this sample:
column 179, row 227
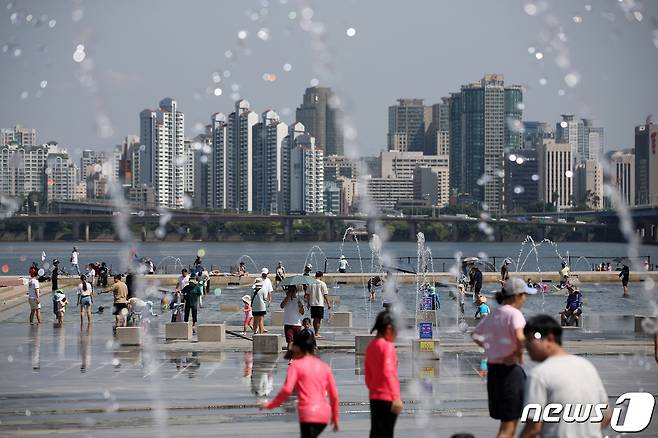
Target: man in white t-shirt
column 34, row 298
column 318, row 296
column 74, row 259
column 560, row 378
column 267, row 284
column 293, row 310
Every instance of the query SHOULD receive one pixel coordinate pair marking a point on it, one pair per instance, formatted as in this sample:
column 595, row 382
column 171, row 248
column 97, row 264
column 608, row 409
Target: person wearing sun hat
column 248, row 316
column 259, row 306
column 501, row 336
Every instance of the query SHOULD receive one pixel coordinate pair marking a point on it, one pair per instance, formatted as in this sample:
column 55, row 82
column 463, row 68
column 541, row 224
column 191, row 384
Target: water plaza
column 170, row 381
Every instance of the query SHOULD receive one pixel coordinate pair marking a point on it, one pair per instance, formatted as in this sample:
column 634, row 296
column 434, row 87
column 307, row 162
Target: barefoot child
column 248, row 316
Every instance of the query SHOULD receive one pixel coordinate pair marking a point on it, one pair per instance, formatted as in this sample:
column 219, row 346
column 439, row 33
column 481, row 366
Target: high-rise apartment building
column 588, row 184
column 22, row 169
column 586, row 140
column 190, row 147
column 401, row 165
column 61, row 175
column 202, row 157
column 220, row 162
column 269, row 135
column 556, row 173
column 437, row 141
column 521, row 179
column 240, row 143
column 306, row 176
column 161, row 161
column 406, row 126
column 321, row 119
column 485, row 121
column 289, row 142
column 22, row 137
column 385, row 193
column 621, row 174
column 646, row 164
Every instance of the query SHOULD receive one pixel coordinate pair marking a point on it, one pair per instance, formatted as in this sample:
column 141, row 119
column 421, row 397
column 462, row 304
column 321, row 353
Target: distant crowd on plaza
column 502, row 332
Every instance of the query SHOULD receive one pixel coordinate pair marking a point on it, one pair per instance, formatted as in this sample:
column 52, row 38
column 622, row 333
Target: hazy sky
column 137, row 52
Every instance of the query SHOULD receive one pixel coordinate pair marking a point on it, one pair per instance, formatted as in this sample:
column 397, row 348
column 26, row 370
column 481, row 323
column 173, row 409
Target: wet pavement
column 80, row 383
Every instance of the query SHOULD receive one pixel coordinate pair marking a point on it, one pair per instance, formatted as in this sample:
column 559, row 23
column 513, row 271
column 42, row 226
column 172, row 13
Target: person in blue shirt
column 483, row 308
column 573, row 310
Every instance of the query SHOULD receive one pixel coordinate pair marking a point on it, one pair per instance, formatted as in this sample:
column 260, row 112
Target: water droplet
column 563, row 124
column 520, row 106
column 5, row 268
column 520, row 160
column 44, row 84
column 287, row 67
column 263, row 34
column 242, row 34
column 519, row 189
column 10, row 5
column 14, row 17
column 28, row 412
column 226, row 73
column 79, row 55
column 530, row 8
column 314, row 82
column 350, row 32
column 29, row 18
column 17, row 52
column 228, row 54
column 10, row 358
column 531, row 50
column 24, row 95
column 217, row 291
column 539, row 55
column 572, row 79
column 201, row 252
column 588, row 8
column 217, row 91
column 568, row 174
column 216, row 77
column 512, row 157
column 577, row 19
column 561, row 92
column 638, row 15
column 77, row 15
column 52, row 23
column 292, row 15
column 307, row 13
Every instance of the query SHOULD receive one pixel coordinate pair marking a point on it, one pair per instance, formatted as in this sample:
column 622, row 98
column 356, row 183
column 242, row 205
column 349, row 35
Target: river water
column 15, row 257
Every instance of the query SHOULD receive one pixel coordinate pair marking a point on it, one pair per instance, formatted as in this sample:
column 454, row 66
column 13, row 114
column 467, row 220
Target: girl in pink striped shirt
column 313, row 380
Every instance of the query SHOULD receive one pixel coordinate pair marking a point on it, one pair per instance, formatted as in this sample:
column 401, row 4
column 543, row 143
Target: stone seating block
column 361, row 343
column 211, row 332
column 268, row 343
column 277, row 317
column 130, row 335
column 341, row 319
column 178, row 331
column 639, row 320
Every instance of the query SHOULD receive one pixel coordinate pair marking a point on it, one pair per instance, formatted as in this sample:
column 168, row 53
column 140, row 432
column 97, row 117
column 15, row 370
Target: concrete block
column 361, row 343
column 341, row 319
column 425, row 349
column 130, row 335
column 211, row 332
column 639, row 320
column 427, row 316
column 268, row 343
column 277, row 318
column 230, row 308
column 178, row 330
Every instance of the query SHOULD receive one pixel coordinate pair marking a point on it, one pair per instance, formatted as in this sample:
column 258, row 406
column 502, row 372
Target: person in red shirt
column 382, row 378
column 313, row 380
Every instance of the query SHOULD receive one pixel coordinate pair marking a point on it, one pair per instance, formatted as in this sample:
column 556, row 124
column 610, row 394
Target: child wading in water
column 248, row 316
column 313, row 380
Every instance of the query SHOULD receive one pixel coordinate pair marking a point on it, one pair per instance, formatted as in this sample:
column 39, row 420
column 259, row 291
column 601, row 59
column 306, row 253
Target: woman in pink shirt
column 382, row 378
column 501, row 336
column 313, row 380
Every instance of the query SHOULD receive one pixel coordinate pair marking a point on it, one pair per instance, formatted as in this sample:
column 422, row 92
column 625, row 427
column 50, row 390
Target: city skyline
column 97, row 96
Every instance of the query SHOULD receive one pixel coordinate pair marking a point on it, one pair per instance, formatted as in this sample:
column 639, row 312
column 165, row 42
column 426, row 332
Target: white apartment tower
column 18, row 135
column 556, row 173
column 306, row 176
column 61, row 175
column 22, row 169
column 294, row 131
column 161, row 161
column 241, row 153
column 220, row 162
column 268, row 148
column 622, row 175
